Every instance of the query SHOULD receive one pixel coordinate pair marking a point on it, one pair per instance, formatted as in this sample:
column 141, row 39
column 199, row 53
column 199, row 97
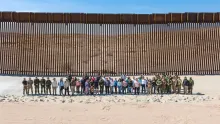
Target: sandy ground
column 154, row 109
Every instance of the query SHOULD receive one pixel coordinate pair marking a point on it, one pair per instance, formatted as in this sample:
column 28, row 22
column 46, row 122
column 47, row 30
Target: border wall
column 58, row 44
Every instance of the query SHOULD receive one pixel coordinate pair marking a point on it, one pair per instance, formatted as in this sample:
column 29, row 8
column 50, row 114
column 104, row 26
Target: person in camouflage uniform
column 30, row 86
column 101, row 85
column 191, row 84
column 48, row 85
column 174, row 83
column 178, row 85
column 169, row 84
column 36, row 85
column 163, row 86
column 42, row 84
column 159, row 86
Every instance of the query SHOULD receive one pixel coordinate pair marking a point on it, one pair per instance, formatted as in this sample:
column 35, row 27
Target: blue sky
column 111, row 6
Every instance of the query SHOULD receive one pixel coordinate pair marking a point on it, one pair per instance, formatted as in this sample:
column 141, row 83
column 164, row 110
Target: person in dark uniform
column 42, row 84
column 25, row 87
column 154, row 85
column 101, row 84
column 186, row 85
column 36, row 85
column 48, row 85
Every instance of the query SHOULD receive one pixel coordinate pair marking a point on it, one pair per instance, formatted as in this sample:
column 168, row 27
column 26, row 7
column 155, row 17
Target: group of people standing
column 159, row 84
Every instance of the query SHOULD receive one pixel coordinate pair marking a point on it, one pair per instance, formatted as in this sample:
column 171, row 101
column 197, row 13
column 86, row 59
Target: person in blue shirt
column 119, row 84
column 61, row 86
column 115, row 85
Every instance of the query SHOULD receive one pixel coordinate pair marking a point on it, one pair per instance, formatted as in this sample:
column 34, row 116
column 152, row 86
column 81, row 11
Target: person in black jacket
column 25, row 86
column 154, row 85
column 36, row 85
column 48, row 85
column 42, row 84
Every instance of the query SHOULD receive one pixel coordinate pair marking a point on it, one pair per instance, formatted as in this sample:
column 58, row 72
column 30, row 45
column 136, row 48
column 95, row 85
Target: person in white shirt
column 54, row 86
column 143, row 85
column 136, row 87
column 111, row 85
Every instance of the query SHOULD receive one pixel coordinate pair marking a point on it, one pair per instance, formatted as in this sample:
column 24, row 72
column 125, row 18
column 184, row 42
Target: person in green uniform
column 101, row 85
column 42, row 84
column 159, row 86
column 178, row 85
column 163, row 86
column 174, row 83
column 169, row 84
column 191, row 84
column 48, row 85
column 36, row 85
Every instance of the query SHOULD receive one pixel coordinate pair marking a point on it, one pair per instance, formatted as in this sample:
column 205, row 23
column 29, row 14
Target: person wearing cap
column 36, row 85
column 191, row 84
column 42, row 85
column 54, row 86
column 25, row 86
column 30, row 86
column 186, row 85
column 48, row 85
